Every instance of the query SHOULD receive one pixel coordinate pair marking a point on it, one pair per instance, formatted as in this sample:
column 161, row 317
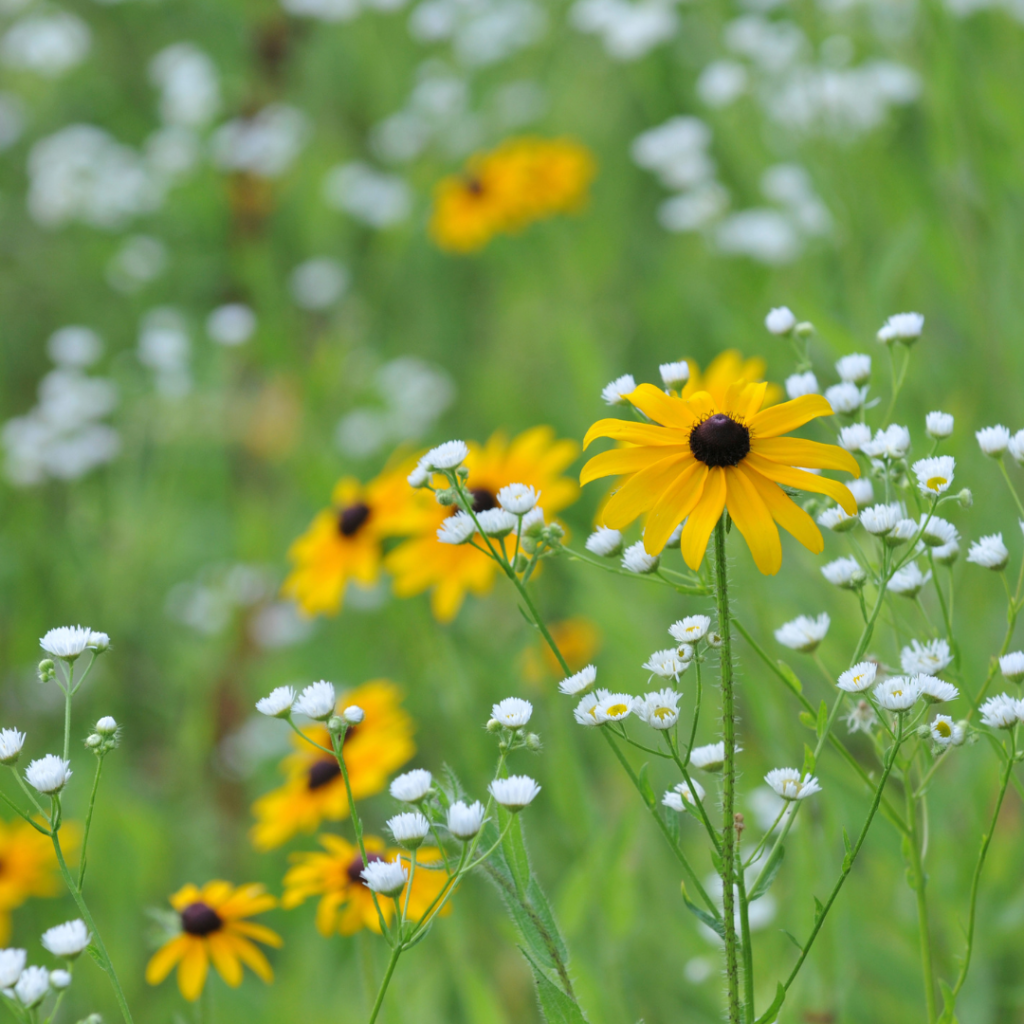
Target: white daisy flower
column 411, row 787
column 1011, row 665
column 457, row 528
column 898, row 693
column 691, row 629
column 1002, row 712
column 925, row 659
column 613, row 707
column 678, row 797
column 937, row 532
column 861, row 718
column 604, row 542
column 855, row 368
column 881, row 519
column 353, row 714
column 517, row 498
column 60, row 980
column 668, row 664
column 12, row 963
column 837, row 518
column 674, row 374
column 533, row 522
column 465, row 821
column 859, row 678
column 409, row 828
column 943, row 730
column 420, row 476
column 780, row 320
column 66, row 642
column 67, row 940
column 803, row 633
column 30, row 989
column 800, row 384
column 11, row 742
column 585, row 712
column 845, row 398
column 316, row 701
column 938, row 425
column 861, row 489
column 278, row 704
column 993, row 440
column 844, row 572
column 387, row 877
column 579, row 682
column 905, row 327
column 854, row 436
column 635, row 559
column 891, row 443
column 946, row 554
column 790, row 785
column 48, row 774
column 446, row 456
column 659, row 710
column 512, row 712
column 937, row 691
column 98, row 642
column 1016, row 447
column 934, row 475
column 710, row 757
column 515, row 792
column 616, row 392
column 496, row 522
column 990, row 552
column 909, row 580
column 903, row 531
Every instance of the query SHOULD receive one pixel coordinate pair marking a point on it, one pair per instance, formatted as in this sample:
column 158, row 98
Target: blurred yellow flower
column 344, row 542
column 577, row 638
column 535, row 458
column 697, row 457
column 726, row 369
column 314, row 790
column 346, row 904
column 28, row 867
column 213, row 928
column 522, row 180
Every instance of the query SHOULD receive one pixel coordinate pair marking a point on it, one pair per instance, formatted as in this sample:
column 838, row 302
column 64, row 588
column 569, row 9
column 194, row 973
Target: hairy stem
column 395, row 954
column 88, row 818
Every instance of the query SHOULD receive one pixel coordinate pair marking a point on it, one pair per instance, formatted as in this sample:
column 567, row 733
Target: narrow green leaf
column 526, row 919
column 546, row 918
column 769, row 1015
column 792, row 938
column 555, row 1006
column 846, row 841
column 770, row 870
column 822, row 719
column 646, row 789
column 514, row 849
column 806, row 718
column 948, row 1004
column 819, row 909
column 713, row 922
column 809, row 760
column 791, row 678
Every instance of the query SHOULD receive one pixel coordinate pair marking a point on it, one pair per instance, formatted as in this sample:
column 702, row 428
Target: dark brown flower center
column 720, row 441
column 353, row 518
column 483, row 499
column 200, row 919
column 321, row 773
column 474, row 186
column 356, row 866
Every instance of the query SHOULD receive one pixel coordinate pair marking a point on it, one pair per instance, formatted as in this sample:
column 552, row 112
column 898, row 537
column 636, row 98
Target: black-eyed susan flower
column 314, row 790
column 28, row 867
column 699, row 456
column 345, row 541
column 346, row 904
column 214, row 929
column 536, row 459
column 728, row 368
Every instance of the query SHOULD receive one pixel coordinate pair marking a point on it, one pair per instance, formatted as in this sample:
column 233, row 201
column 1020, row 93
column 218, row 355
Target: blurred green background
column 226, row 451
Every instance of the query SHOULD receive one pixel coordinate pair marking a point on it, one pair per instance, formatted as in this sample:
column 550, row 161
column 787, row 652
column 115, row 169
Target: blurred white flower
column 265, row 144
column 318, row 283
column 48, row 43
column 231, row 324
column 373, row 197
column 189, row 85
column 803, row 633
column 989, row 552
column 993, row 440
column 800, row 384
column 938, row 425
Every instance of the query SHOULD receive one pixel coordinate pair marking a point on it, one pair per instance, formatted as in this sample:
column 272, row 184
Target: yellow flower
column 699, row 456
column 346, row 904
column 344, row 542
column 726, row 369
column 314, row 790
column 449, row 571
column 213, row 928
column 28, row 868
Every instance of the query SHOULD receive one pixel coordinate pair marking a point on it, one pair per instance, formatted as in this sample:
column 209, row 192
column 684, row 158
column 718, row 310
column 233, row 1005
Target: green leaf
column 809, row 760
column 646, row 789
column 769, row 1015
column 542, row 908
column 555, row 1006
column 514, row 848
column 770, row 870
column 712, row 921
column 716, row 860
column 806, row 718
column 819, row 909
column 846, row 841
column 791, row 678
column 822, row 719
column 848, row 859
column 948, row 1015
column 792, row 938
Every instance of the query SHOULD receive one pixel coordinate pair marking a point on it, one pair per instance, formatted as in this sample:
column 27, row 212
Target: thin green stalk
column 408, row 891
column 1009, row 483
column 917, row 869
column 395, row 954
column 14, row 807
column 88, row 817
column 748, row 948
column 696, row 712
column 67, row 711
column 698, row 803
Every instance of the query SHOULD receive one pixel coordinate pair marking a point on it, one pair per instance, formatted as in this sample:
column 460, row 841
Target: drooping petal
column 635, row 433
column 259, row 932
column 795, row 451
column 702, row 519
column 253, row 958
column 753, row 520
column 165, row 959
column 620, row 461
column 802, row 481
column 186, row 895
column 674, row 506
column 222, row 953
column 193, row 969
column 640, row 492
column 662, row 408
column 786, row 512
column 781, row 419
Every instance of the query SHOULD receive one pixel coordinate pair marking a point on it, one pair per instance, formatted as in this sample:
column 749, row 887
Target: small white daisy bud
column 335, row 724
column 47, row 670
column 1016, row 447
column 278, row 704
column 715, row 640
column 533, row 522
column 533, row 743
column 859, row 678
column 456, row 529
column 837, row 519
column 93, row 740
column 1002, row 712
column 710, row 758
column 67, row 642
column 579, row 683
column 993, row 441
column 515, row 792
column 942, row 730
column 493, row 725
column 449, row 455
column 854, row 369
column 936, row 691
column 844, row 572
column 31, row 988
column 934, row 475
column 965, row 498
column 898, row 693
column 780, row 320
column 67, row 940
column 659, row 710
column 612, row 707
column 465, row 821
column 804, row 329
column 674, row 374
column 446, row 496
column 512, row 712
column 636, row 559
column 60, row 980
column 909, row 580
column 800, row 384
column 861, row 489
column 317, row 701
column 411, row 787
column 387, row 877
column 106, row 726
column 903, row 327
column 353, row 714
column 604, row 542
column 881, row 519
column 938, row 425
column 12, row 963
column 517, row 498
column 409, row 829
column 496, row 522
column 803, row 633
column 48, row 774
column 845, row 398
column 616, row 392
column 925, row 659
column 678, row 797
column 1011, row 665
column 990, row 552
column 11, row 742
column 854, row 436
column 98, row 642
column 691, row 629
column 789, row 784
column 669, row 663
column 420, row 476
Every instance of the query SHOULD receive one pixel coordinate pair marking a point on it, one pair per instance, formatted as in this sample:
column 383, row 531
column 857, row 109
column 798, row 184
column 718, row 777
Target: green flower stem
column 712, row 834
column 696, row 711
column 1009, row 483
column 408, row 892
column 88, row 817
column 14, row 807
column 913, row 847
column 748, row 948
column 395, row 954
column 732, row 969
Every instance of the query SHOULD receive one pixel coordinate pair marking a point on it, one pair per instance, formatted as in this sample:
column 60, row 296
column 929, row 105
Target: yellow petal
column 627, row 460
column 752, row 400
column 803, row 481
column 185, row 896
column 703, row 405
column 222, row 953
column 702, row 519
column 781, row 419
column 753, row 520
column 674, row 506
column 735, row 399
column 259, row 932
column 641, row 492
column 795, row 451
column 787, row 513
column 165, row 959
column 662, row 408
column 192, row 970
column 635, row 433
column 251, row 956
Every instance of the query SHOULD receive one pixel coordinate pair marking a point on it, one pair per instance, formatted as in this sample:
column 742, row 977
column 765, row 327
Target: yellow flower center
column 858, row 678
column 616, row 709
column 943, row 729
column 663, row 713
column 933, row 483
